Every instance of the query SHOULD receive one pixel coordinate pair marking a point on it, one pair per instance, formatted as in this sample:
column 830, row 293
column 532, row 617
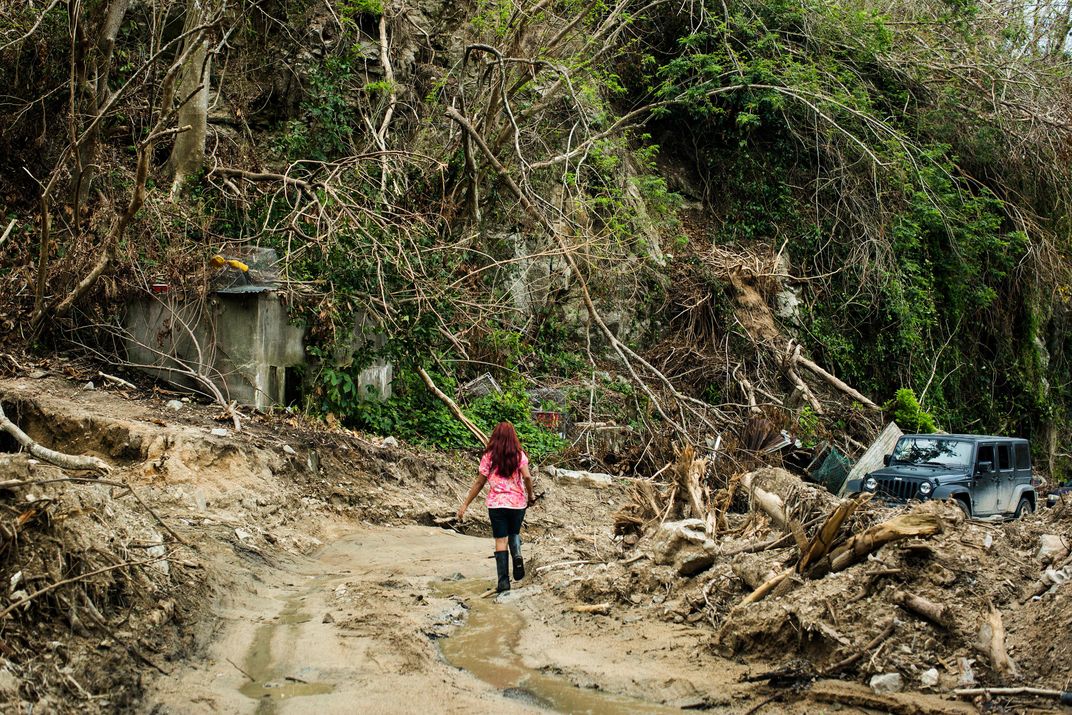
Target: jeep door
column 984, row 481
column 1004, row 478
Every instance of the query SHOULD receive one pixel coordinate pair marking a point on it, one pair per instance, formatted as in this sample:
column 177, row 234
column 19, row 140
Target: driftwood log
column 769, row 502
column 992, row 642
column 60, row 459
column 900, row 527
column 856, row 549
column 937, row 613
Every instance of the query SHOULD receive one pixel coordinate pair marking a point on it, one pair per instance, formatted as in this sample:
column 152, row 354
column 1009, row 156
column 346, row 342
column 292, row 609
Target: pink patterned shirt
column 505, row 493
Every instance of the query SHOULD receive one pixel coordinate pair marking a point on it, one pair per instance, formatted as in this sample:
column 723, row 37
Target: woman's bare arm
column 528, row 484
column 478, row 484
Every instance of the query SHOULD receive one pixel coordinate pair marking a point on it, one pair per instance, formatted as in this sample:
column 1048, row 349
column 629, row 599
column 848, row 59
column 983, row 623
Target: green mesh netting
column 834, row 470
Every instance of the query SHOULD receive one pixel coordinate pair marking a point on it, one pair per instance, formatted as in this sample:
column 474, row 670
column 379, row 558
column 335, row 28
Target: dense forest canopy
column 657, row 208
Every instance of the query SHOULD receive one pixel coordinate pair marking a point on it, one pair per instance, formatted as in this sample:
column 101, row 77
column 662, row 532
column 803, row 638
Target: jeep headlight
column 925, row 488
column 871, row 484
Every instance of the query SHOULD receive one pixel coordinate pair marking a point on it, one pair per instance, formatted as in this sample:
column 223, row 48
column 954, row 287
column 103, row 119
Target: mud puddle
column 486, row 646
column 268, row 684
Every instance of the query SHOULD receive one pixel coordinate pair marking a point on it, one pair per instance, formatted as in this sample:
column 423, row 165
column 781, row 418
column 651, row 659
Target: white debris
column 89, row 386
column 597, row 480
column 929, row 678
column 887, row 683
column 967, row 675
column 389, row 442
column 287, row 449
column 220, row 432
column 174, row 405
column 1049, row 546
column 242, row 534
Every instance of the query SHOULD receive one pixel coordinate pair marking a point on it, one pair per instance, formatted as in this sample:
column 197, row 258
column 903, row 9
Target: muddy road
column 392, row 619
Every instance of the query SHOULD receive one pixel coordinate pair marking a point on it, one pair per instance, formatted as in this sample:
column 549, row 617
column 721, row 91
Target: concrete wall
column 243, row 342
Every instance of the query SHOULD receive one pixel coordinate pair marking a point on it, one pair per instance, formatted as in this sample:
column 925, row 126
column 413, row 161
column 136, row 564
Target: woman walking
column 505, row 469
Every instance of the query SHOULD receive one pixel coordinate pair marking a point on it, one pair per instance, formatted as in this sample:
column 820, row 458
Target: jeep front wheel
column 964, row 507
column 1024, row 508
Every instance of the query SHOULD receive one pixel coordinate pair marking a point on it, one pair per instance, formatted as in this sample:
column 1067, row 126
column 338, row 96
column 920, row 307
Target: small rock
column 174, row 405
column 37, row 374
column 9, row 683
column 456, row 576
column 1050, row 545
column 967, row 676
column 389, row 442
column 929, row 678
column 16, row 580
column 692, row 562
column 287, row 449
column 89, row 386
column 220, row 432
column 887, row 683
column 328, row 618
column 242, row 535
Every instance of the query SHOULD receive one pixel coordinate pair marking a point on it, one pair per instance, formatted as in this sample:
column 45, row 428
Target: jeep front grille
column 897, row 489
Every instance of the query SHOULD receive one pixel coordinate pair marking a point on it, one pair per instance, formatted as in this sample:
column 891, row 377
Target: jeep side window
column 1004, row 459
column 985, row 454
column 1023, row 456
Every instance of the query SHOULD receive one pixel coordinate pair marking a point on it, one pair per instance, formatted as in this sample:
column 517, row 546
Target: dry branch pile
column 92, row 575
column 786, row 573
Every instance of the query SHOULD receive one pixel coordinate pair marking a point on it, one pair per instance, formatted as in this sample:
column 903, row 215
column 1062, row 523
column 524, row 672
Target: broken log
column 836, row 383
column 769, row 502
column 937, row 613
column 60, row 459
column 452, row 405
column 823, row 540
column 598, row 609
column 904, row 526
column 690, row 473
column 767, row 587
column 792, row 357
column 992, row 642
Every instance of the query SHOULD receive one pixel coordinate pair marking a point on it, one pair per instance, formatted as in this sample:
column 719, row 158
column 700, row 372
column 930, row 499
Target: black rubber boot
column 502, row 568
column 515, row 551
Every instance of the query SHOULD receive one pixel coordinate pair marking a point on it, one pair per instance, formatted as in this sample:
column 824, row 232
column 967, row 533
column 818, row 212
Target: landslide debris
column 806, row 586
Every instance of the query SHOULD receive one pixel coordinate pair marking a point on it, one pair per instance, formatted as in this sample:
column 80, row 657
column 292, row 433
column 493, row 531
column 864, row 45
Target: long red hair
column 505, row 450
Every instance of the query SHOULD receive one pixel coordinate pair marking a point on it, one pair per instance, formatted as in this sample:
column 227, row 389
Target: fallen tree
column 60, row 459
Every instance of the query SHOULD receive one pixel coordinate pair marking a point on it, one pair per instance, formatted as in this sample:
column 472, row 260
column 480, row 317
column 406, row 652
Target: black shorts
column 505, row 522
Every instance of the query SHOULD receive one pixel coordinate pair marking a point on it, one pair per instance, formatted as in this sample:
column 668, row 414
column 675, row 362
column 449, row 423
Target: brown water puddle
column 486, row 645
column 268, row 685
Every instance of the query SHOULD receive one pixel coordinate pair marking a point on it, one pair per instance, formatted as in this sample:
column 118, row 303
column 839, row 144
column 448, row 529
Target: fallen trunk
column 900, row 527
column 67, row 461
column 937, row 613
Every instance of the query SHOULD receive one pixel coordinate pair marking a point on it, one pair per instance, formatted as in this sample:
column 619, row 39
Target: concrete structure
column 239, row 337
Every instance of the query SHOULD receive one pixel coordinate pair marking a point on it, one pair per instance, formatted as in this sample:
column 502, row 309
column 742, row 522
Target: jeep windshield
column 933, row 452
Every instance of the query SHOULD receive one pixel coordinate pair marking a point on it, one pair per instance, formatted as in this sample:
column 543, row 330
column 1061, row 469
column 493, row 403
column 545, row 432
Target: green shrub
column 909, row 414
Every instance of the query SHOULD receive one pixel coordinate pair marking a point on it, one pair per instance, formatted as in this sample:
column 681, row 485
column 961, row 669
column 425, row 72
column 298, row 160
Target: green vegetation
column 908, row 414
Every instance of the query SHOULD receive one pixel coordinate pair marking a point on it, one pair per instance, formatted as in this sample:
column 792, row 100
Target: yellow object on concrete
column 238, row 265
